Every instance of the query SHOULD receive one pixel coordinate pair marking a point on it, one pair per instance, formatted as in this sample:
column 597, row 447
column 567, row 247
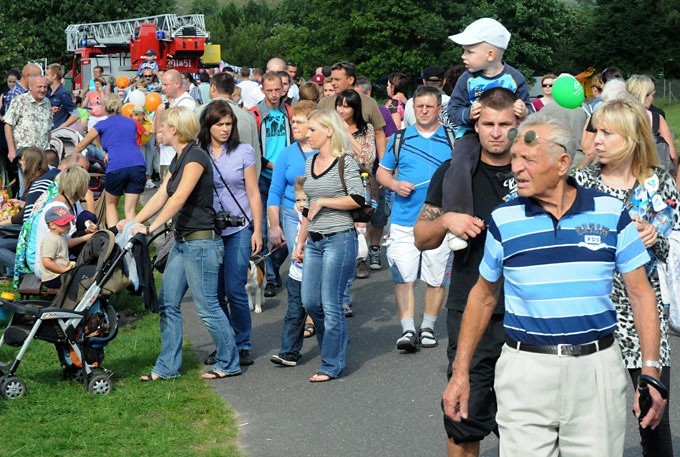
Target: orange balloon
column 153, row 101
column 122, row 82
column 127, row 109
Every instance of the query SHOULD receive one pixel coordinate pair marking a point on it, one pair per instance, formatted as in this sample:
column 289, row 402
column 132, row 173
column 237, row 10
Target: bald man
column 21, row 87
column 176, row 89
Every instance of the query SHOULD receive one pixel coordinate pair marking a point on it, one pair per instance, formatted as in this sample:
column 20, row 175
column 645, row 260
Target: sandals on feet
column 321, row 377
column 310, row 330
column 427, row 339
column 150, row 377
column 214, row 374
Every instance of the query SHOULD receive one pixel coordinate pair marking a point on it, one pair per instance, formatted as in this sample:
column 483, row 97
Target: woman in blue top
column 283, row 222
column 125, row 169
column 235, row 191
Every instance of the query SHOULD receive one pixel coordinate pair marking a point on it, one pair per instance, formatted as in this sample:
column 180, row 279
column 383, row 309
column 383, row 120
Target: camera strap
column 228, row 190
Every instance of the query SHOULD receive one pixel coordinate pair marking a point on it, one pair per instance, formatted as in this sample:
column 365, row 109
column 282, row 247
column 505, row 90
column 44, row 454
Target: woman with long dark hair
column 235, row 191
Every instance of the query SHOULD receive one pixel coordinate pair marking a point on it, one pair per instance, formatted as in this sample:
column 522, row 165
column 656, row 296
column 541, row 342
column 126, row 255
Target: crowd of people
column 546, row 223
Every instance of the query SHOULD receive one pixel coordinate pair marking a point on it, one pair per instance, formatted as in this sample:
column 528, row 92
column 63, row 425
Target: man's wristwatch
column 653, row 364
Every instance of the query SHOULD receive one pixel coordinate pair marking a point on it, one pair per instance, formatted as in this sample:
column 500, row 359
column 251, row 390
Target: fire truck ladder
column 119, row 33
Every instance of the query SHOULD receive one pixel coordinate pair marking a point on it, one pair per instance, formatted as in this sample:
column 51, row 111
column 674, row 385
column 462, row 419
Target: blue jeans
column 275, row 260
column 8, row 247
column 194, row 265
column 294, row 322
column 328, row 263
column 234, row 272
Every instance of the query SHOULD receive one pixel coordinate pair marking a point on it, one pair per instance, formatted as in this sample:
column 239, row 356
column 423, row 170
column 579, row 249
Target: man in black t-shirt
column 491, row 182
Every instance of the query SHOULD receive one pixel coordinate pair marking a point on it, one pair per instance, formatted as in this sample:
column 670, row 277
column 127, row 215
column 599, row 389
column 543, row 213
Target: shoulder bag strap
column 228, row 190
column 341, row 173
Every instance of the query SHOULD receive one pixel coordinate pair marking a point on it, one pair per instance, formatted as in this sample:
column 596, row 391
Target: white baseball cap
column 485, row 30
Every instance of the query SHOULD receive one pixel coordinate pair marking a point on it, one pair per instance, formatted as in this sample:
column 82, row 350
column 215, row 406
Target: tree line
column 381, row 37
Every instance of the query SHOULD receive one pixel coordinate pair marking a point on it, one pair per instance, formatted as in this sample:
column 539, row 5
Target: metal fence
column 668, row 91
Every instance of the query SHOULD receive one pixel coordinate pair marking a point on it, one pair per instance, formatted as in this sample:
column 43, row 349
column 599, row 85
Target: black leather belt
column 316, row 236
column 570, row 350
column 198, row 235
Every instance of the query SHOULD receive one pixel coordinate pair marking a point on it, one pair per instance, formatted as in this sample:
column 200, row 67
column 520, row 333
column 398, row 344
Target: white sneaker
column 456, row 243
column 149, row 184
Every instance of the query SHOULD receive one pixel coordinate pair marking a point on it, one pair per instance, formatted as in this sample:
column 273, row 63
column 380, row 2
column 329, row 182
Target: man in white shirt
column 176, row 89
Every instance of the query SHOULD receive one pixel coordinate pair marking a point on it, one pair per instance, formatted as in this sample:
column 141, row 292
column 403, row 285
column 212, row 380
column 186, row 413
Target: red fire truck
column 119, row 46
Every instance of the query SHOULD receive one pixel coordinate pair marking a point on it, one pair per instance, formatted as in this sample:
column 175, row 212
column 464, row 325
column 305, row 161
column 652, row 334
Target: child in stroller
column 79, row 321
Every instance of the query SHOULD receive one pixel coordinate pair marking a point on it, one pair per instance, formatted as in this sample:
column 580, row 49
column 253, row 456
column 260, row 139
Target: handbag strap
column 228, row 190
column 341, row 173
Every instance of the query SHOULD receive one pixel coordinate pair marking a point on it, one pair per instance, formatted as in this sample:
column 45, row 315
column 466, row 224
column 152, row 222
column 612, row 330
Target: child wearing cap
column 54, row 248
column 149, row 62
column 484, row 43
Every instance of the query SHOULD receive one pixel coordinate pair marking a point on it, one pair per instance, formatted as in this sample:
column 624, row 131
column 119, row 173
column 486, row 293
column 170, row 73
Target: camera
column 224, row 219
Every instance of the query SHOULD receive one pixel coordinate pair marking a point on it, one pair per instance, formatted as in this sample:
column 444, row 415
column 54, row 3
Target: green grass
column 181, row 417
column 175, row 418
column 672, row 117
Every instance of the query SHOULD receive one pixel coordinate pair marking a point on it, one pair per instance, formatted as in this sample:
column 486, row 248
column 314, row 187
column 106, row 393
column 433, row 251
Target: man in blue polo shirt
column 423, row 148
column 560, row 381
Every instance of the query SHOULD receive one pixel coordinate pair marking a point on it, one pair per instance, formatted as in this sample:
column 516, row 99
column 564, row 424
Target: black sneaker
column 361, row 271
column 270, row 290
column 287, row 360
column 408, row 341
column 374, row 258
column 245, row 358
column 211, row 359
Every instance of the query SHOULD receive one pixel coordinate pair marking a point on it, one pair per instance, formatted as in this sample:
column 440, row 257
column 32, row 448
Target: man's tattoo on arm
column 429, row 213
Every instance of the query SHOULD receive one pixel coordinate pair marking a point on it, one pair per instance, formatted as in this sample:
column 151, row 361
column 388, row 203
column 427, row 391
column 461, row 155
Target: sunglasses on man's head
column 530, row 138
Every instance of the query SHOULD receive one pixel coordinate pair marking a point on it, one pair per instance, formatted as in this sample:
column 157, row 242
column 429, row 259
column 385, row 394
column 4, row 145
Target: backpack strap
column 398, row 142
column 258, row 116
column 450, row 136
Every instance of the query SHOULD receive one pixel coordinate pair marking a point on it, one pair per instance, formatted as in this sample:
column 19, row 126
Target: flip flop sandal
column 310, row 330
column 214, row 374
column 151, row 377
column 326, row 377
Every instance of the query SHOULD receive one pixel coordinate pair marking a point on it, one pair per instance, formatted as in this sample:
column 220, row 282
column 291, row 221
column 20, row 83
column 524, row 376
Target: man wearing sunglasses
column 560, row 380
column 491, row 181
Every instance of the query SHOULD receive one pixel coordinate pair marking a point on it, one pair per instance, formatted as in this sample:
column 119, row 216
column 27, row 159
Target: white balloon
column 137, row 97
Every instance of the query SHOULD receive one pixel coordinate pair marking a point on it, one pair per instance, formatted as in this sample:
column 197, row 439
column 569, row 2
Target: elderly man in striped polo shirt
column 560, row 380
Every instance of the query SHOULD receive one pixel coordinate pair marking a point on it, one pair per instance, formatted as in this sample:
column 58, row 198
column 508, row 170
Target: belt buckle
column 560, row 348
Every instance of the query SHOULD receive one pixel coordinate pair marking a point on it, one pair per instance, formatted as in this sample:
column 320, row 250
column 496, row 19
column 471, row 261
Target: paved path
column 386, row 405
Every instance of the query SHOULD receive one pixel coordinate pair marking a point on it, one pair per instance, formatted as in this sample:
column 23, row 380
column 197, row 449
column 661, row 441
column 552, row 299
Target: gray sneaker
column 374, row 259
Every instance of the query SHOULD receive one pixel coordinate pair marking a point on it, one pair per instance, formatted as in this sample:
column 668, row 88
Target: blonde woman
column 628, row 170
column 327, row 242
column 125, row 166
column 186, row 196
column 642, row 88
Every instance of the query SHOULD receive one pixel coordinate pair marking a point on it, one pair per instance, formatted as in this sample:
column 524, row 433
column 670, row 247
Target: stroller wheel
column 73, row 373
column 12, row 387
column 99, row 385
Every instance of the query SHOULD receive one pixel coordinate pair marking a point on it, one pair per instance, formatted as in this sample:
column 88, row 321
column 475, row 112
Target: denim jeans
column 275, row 260
column 194, row 265
column 294, row 322
column 234, row 273
column 8, row 247
column 328, row 263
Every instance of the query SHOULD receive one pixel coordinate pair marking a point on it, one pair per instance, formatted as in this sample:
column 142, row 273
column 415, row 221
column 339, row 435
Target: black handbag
column 363, row 213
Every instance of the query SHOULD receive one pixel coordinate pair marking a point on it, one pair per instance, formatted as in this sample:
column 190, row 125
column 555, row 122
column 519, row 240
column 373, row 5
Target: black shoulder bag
column 363, row 213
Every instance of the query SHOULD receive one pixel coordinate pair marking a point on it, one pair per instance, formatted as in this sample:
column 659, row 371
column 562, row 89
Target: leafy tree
column 36, row 29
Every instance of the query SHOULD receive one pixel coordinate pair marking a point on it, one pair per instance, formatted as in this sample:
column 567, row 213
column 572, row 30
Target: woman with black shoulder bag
column 238, row 206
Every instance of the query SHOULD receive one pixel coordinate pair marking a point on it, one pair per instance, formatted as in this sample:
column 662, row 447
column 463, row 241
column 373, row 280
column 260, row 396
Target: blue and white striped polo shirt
column 558, row 273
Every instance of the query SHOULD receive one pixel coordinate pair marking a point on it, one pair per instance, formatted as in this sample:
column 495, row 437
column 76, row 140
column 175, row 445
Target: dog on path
column 257, row 274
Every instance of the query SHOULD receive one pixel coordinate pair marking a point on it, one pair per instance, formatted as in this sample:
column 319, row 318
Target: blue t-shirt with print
column 275, row 126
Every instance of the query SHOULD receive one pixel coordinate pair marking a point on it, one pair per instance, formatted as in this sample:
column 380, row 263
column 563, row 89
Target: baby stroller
column 79, row 321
